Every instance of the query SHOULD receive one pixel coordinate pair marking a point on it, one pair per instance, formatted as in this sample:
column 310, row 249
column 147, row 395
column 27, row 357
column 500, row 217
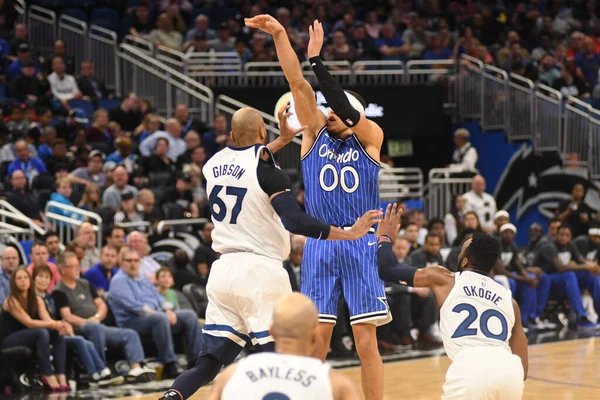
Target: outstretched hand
column 315, row 43
column 364, row 224
column 286, row 132
column 265, row 23
column 390, row 225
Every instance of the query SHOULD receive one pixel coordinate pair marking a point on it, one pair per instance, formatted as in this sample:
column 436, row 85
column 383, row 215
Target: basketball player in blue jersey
column 480, row 323
column 340, row 165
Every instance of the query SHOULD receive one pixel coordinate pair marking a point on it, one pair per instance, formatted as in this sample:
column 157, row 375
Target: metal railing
column 21, row 9
column 41, row 24
column 267, row 73
column 442, row 187
column 103, row 49
column 9, row 213
column 470, row 87
column 595, row 143
column 66, row 227
column 494, row 107
column 289, row 156
column 74, row 33
column 162, row 85
column 160, row 227
column 396, row 184
column 521, row 122
column 576, row 144
column 140, row 44
column 388, row 72
column 141, row 226
column 215, row 68
column 548, row 120
column 16, row 225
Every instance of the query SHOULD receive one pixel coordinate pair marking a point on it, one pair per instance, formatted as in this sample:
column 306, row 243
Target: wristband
column 53, row 324
column 385, row 237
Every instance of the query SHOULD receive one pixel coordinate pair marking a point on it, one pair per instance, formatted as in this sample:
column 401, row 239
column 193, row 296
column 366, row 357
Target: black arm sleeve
column 389, row 269
column 272, row 179
column 334, row 94
column 296, row 221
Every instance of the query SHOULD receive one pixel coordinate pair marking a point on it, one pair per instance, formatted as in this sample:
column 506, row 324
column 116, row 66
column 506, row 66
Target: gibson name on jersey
column 228, row 169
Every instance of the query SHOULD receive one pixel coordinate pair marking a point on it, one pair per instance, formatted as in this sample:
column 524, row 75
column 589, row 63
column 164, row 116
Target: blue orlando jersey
column 340, row 180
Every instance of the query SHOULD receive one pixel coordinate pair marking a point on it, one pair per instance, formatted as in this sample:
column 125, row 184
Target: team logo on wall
column 531, row 180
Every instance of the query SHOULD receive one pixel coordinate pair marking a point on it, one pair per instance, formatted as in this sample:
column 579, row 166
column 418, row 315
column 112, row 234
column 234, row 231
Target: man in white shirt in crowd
column 63, row 86
column 148, row 266
column 480, row 202
column 465, row 156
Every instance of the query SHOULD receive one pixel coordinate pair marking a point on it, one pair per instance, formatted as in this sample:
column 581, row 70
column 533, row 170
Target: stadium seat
column 160, row 179
column 77, row 14
column 196, row 294
column 107, row 18
column 107, row 104
column 86, row 106
column 13, row 362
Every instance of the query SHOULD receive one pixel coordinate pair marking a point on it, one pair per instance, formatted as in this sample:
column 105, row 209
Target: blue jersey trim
column 314, row 144
column 365, row 151
column 259, row 335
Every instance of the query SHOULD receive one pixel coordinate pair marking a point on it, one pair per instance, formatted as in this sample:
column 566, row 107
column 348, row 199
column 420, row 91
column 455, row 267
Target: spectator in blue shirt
column 31, row 166
column 102, row 273
column 588, row 61
column 436, row 51
column 136, row 304
column 10, row 262
column 64, row 189
column 16, row 67
column 391, row 46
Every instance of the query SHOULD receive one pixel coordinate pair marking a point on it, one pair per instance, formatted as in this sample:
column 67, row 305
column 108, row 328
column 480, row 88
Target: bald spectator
column 40, row 256
column 588, row 61
column 86, row 236
column 165, row 34
column 188, row 123
column 92, row 174
column 465, row 156
column 10, row 262
column 126, row 114
column 481, row 203
column 149, row 210
column 62, row 85
column 22, row 199
column 148, row 266
column 31, row 166
column 201, row 28
column 177, row 145
column 111, row 197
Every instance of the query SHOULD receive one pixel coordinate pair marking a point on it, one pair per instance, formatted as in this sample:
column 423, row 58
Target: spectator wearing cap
column 391, row 45
column 64, row 189
column 501, row 218
column 173, row 134
column 31, row 166
column 92, row 174
column 76, row 120
column 128, row 213
column 200, row 28
column 111, row 197
column 182, row 196
column 27, row 88
column 224, row 41
column 98, row 132
column 465, row 156
column 192, row 141
column 165, row 34
column 62, row 85
column 60, row 50
column 89, row 84
column 23, row 199
column 124, row 154
column 20, row 36
column 23, row 56
column 126, row 115
column 481, row 203
column 188, row 123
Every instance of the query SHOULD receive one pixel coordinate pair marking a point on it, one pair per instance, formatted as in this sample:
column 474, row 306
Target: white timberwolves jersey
column 272, row 376
column 243, row 216
column 477, row 313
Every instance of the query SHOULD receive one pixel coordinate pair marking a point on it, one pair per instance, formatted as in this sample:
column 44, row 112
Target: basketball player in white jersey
column 480, row 323
column 253, row 209
column 292, row 373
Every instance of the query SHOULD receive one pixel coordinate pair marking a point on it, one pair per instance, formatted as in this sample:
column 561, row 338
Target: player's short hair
column 432, row 235
column 483, row 252
column 565, row 226
column 553, row 220
column 434, row 221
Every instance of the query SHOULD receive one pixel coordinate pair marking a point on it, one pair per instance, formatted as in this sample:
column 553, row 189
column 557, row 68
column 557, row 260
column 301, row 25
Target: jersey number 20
column 220, row 210
column 464, row 328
